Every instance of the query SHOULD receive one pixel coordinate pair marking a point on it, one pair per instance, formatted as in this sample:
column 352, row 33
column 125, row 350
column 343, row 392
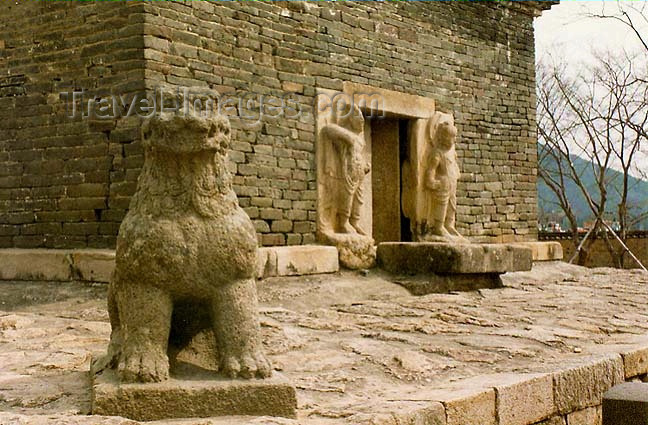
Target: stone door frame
column 375, row 103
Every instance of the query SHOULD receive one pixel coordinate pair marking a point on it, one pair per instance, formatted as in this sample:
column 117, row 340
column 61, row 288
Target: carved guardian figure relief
column 430, row 178
column 342, row 170
column 345, row 169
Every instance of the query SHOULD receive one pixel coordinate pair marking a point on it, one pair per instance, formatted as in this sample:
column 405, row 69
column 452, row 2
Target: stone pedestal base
column 356, row 251
column 192, row 397
column 444, row 267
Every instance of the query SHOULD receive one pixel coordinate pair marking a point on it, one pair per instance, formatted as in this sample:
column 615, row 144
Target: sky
column 566, row 30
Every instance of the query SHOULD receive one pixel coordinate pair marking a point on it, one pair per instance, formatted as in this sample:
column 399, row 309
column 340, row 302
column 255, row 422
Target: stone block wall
column 67, row 182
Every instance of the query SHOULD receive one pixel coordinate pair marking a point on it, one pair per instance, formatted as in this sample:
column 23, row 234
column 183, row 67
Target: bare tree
column 633, row 15
column 599, row 114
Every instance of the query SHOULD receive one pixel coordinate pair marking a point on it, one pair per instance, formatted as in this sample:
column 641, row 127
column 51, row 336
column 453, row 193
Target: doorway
column 388, row 152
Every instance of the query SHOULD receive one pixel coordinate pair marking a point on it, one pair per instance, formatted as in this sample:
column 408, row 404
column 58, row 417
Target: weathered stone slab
column 470, row 408
column 442, row 284
column 583, row 386
column 635, row 362
column 180, row 397
column 93, row 265
column 589, row 416
column 626, row 403
column 267, row 266
column 464, row 404
column 521, row 399
column 297, row 260
column 306, row 259
column 97, row 265
column 544, row 250
column 35, row 264
column 432, row 414
column 60, row 265
column 446, row 258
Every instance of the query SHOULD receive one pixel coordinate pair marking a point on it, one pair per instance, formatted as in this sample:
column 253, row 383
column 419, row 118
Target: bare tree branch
column 600, row 116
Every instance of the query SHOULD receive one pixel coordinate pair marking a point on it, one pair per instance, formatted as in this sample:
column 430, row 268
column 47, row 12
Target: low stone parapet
column 60, row 265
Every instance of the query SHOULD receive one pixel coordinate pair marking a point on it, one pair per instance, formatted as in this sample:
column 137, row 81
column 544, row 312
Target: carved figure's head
column 184, row 134
column 350, row 117
column 443, row 132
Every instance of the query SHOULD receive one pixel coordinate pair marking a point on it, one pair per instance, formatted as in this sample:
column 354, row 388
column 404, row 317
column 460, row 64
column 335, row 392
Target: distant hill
column 637, row 197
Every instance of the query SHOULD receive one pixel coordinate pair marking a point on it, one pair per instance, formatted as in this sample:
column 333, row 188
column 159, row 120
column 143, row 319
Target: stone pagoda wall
column 66, row 182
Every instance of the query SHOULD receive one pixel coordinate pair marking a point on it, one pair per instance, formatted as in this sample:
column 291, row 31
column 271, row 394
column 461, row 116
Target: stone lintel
column 390, row 102
column 192, row 398
column 448, row 258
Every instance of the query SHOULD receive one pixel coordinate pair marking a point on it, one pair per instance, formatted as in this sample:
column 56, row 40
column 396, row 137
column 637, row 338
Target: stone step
column 626, row 403
column 450, row 259
column 97, row 265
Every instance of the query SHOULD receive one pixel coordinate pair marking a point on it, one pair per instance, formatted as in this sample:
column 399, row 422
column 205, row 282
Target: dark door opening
column 388, row 151
column 403, row 137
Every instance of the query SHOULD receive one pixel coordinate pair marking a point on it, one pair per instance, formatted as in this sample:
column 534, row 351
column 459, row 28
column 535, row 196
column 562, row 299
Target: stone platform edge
column 97, row 265
column 573, row 394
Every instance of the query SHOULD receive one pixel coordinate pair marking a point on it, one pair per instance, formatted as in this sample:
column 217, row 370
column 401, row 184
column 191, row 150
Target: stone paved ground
column 354, row 345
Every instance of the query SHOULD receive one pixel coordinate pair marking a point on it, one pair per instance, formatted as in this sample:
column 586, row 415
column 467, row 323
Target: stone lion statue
column 186, row 253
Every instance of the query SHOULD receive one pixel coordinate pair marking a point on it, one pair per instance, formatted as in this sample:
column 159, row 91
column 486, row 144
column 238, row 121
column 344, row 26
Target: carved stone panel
column 429, row 179
column 344, row 184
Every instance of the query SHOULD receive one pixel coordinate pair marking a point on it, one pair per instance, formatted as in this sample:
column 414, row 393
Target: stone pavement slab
column 361, row 350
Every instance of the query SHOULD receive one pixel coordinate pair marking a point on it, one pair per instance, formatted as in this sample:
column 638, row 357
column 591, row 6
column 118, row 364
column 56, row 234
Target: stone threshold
column 573, row 394
column 97, row 265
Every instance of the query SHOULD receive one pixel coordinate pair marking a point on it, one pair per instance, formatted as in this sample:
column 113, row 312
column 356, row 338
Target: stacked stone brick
column 67, row 182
